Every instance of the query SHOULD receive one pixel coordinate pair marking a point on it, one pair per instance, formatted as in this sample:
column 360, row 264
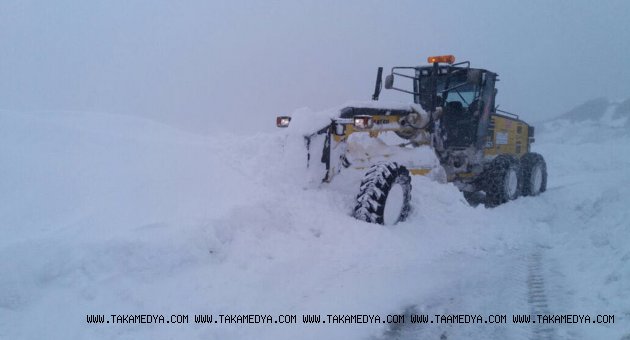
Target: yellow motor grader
column 484, row 151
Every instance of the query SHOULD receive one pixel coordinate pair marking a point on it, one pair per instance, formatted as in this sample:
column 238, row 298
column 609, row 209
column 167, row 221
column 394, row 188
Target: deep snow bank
column 105, row 214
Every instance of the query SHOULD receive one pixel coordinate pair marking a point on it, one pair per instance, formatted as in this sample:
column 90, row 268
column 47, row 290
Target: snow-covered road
column 103, row 214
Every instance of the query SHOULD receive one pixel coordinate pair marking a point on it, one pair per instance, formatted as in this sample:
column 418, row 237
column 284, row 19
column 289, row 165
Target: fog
column 207, row 66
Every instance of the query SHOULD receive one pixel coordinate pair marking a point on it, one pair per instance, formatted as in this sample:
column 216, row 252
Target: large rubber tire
column 385, row 194
column 474, row 198
column 534, row 174
column 502, row 180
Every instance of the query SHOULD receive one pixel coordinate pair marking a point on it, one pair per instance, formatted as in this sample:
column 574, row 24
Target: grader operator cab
column 484, row 151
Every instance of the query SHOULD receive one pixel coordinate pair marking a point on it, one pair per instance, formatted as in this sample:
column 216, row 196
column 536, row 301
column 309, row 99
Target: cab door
column 488, row 94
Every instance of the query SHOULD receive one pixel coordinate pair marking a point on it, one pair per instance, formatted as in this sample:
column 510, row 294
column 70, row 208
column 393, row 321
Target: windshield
column 456, row 83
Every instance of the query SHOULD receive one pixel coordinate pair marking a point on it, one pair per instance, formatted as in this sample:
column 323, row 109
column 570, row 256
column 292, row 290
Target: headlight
column 363, row 122
column 283, row 121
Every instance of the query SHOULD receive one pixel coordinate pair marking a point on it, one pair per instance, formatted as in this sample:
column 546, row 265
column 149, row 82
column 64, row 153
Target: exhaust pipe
column 379, row 81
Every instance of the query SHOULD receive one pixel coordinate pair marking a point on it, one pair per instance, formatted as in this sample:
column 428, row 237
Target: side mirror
column 389, row 81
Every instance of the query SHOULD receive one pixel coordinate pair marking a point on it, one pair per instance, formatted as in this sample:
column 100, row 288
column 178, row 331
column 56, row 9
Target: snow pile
column 105, row 214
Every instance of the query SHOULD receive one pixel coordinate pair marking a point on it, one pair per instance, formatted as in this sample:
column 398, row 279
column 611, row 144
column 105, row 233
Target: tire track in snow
column 537, row 298
column 492, row 283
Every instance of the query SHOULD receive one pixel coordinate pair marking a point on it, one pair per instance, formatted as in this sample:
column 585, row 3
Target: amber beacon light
column 449, row 59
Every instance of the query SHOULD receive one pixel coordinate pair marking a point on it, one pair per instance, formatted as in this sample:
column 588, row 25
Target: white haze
column 233, row 65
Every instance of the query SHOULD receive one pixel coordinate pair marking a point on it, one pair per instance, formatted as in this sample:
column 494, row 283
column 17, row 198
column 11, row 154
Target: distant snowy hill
column 112, row 215
column 592, row 121
column 600, row 111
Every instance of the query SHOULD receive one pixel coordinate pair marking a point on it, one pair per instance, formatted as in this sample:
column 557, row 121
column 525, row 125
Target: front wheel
column 385, row 194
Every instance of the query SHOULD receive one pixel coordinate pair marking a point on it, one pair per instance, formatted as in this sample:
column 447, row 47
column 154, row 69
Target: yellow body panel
column 419, row 172
column 506, row 136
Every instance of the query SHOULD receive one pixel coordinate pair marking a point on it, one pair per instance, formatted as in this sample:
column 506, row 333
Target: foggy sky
column 235, row 65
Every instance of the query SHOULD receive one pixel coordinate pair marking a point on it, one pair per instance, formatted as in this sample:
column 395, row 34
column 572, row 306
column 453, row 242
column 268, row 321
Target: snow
column 108, row 214
column 364, row 151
